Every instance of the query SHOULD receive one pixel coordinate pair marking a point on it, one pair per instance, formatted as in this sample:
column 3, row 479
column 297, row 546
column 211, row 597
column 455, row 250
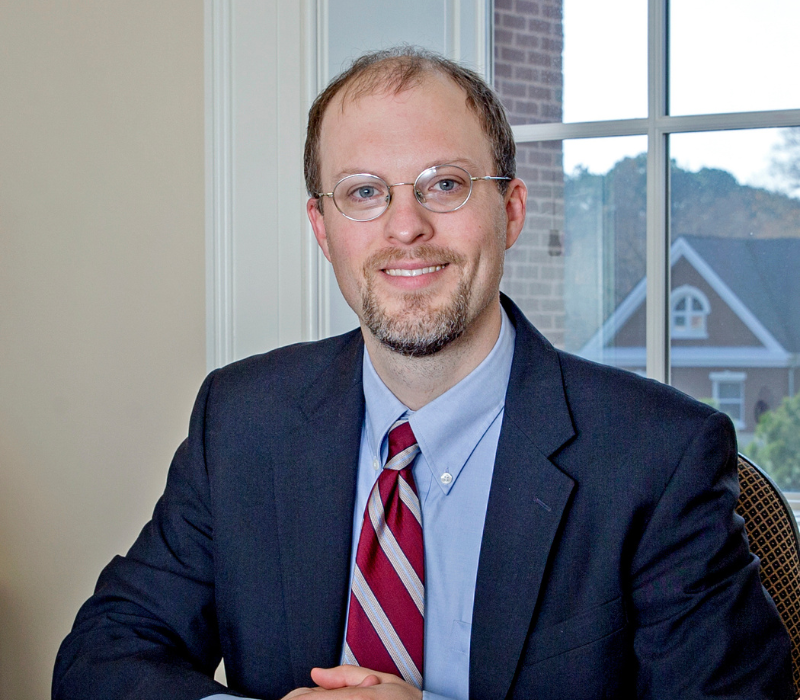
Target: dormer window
column 690, row 308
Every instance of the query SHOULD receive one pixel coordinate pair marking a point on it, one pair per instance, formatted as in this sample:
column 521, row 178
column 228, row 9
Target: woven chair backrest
column 772, row 531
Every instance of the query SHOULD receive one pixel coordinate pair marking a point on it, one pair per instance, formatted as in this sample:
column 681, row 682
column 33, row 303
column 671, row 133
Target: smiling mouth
column 400, row 272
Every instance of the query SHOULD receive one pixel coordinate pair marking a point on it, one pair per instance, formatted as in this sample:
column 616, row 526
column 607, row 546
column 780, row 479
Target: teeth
column 396, row 272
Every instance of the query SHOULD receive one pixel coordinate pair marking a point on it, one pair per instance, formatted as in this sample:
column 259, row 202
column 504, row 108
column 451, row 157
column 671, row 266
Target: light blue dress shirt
column 457, row 434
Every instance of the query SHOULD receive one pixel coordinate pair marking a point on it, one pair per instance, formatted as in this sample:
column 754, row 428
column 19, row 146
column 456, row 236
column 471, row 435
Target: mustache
column 428, row 253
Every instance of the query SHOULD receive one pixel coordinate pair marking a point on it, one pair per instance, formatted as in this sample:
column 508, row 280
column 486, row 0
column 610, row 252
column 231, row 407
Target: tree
column 776, row 444
column 786, row 160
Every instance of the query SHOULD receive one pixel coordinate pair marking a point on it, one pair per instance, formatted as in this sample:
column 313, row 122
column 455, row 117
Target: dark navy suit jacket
column 612, row 564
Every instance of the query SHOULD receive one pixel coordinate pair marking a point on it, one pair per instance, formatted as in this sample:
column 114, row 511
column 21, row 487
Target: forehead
column 387, row 132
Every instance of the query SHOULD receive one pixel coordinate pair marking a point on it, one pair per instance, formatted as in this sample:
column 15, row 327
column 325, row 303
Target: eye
column 362, row 192
column 446, row 185
column 365, row 192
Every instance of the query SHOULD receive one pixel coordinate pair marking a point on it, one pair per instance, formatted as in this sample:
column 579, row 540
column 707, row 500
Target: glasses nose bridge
column 403, row 184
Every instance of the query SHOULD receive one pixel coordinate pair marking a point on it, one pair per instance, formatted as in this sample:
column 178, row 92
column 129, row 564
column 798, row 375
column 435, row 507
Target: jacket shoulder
column 292, row 367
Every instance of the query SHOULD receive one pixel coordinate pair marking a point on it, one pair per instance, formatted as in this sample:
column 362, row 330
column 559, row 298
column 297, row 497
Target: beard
column 419, row 329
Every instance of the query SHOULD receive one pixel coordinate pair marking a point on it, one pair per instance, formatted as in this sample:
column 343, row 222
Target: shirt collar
column 448, row 428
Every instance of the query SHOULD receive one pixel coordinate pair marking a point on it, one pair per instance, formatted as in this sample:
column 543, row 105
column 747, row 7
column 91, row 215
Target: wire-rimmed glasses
column 442, row 188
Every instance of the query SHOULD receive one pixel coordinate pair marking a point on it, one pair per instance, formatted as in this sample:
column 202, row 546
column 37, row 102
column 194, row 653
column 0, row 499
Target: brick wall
column 528, row 43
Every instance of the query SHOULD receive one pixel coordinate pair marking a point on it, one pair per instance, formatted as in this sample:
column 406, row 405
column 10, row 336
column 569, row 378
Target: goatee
column 417, row 330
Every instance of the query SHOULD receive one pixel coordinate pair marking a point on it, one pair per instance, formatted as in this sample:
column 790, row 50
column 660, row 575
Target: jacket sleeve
column 150, row 630
column 705, row 626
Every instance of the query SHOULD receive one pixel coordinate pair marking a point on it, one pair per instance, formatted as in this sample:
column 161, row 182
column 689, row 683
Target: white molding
column 257, row 271
column 219, row 184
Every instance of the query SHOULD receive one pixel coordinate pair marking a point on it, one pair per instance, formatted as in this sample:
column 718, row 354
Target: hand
column 297, row 692
column 366, row 681
column 356, row 679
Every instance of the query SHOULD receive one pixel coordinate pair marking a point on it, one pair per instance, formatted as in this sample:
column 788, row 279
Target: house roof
column 758, row 279
column 764, row 274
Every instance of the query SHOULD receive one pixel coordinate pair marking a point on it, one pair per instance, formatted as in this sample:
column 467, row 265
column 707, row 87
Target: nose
column 406, row 220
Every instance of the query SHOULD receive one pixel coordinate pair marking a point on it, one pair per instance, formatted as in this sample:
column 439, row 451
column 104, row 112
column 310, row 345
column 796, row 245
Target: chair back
column 773, row 534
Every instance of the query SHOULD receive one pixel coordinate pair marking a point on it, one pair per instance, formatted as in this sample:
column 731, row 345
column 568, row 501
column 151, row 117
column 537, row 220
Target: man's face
column 417, row 279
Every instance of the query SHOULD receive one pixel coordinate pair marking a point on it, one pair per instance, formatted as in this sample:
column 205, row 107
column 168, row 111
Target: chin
column 419, row 328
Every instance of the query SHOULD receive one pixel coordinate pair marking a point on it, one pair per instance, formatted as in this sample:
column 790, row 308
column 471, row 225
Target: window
column 689, row 310
column 648, row 205
column 728, row 394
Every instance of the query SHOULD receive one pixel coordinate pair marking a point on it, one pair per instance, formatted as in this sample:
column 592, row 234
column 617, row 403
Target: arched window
column 689, row 308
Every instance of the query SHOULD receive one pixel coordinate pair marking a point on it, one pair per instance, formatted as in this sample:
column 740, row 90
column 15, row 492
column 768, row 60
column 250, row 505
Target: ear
column 516, row 202
column 318, row 224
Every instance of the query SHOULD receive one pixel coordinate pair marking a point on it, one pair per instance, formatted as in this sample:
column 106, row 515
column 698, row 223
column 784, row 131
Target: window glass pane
column 356, row 27
column 729, row 390
column 735, row 239
column 590, row 66
column 734, row 55
column 582, row 253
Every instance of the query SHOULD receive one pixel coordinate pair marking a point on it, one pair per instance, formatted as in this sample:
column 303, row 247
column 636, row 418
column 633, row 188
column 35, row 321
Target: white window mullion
column 219, row 185
column 318, row 273
column 657, row 267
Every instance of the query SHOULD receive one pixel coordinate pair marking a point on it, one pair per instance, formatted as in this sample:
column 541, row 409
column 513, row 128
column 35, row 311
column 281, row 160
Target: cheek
column 347, row 267
column 492, row 251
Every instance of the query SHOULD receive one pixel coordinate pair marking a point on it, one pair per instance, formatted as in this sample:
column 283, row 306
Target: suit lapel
column 528, row 498
column 314, row 500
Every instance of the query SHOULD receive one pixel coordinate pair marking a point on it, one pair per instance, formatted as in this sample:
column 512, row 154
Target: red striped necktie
column 385, row 626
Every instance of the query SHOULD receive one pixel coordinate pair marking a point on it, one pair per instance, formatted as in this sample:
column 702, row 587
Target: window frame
column 657, row 126
column 728, row 377
column 689, row 293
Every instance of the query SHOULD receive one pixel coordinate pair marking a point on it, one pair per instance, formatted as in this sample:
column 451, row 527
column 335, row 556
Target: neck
column 417, row 381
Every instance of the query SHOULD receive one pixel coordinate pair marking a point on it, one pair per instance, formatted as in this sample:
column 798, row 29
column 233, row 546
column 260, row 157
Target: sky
column 726, row 56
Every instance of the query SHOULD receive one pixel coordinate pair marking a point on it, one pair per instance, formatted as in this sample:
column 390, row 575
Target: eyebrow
column 465, row 163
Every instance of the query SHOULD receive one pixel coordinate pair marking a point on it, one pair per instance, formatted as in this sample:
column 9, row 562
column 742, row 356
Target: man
column 543, row 527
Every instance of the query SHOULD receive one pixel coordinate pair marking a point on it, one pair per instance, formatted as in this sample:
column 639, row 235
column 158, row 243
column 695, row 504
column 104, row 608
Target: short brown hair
column 402, row 68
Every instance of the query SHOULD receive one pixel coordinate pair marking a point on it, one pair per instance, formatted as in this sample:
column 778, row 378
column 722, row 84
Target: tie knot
column 403, row 446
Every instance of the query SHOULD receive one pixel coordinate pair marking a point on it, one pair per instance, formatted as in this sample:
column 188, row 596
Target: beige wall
column 102, row 341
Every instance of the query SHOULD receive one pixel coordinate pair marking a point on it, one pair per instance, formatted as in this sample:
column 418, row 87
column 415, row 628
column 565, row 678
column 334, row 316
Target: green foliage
column 776, row 444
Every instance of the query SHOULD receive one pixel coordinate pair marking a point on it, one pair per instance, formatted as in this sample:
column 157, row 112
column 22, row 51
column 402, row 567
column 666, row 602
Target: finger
column 371, row 679
column 297, row 692
column 343, row 676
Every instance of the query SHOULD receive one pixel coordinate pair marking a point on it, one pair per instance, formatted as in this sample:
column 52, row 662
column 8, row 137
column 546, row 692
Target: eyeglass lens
column 364, row 197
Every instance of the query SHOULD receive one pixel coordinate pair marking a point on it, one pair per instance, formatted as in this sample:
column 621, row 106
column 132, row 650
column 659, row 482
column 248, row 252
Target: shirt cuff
column 228, row 697
column 427, row 695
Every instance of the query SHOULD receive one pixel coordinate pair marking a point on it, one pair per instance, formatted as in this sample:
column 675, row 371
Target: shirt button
column 446, row 478
column 376, row 464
